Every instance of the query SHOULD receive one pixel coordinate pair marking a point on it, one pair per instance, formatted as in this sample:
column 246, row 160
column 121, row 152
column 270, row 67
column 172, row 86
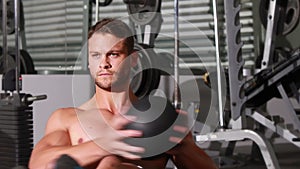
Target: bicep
column 53, row 139
column 56, row 133
column 45, row 150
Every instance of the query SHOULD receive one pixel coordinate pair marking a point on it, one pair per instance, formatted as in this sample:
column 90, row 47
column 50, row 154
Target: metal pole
column 270, row 35
column 85, row 28
column 4, row 31
column 97, row 11
column 176, row 55
column 17, row 47
column 219, row 84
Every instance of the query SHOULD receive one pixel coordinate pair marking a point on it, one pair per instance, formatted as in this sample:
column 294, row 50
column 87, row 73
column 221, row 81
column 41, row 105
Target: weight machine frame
column 238, row 100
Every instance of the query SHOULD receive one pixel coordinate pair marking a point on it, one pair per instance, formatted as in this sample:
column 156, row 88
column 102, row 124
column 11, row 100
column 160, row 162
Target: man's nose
column 105, row 63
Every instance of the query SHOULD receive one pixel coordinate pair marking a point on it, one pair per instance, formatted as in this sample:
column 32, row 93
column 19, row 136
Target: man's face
column 108, row 62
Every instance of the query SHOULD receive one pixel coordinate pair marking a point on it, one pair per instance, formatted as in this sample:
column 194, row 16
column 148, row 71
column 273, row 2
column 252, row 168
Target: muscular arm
column 57, row 142
column 106, row 138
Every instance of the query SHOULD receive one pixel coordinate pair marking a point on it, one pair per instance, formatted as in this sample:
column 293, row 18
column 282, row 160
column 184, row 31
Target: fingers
column 129, row 155
column 129, row 166
column 181, row 129
column 129, row 148
column 176, row 140
column 124, row 149
column 130, row 152
column 131, row 133
column 119, row 121
column 181, row 112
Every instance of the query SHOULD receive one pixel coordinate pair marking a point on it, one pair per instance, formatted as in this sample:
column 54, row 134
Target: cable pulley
column 142, row 12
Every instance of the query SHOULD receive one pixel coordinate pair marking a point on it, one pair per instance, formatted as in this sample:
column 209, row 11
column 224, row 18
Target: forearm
column 54, row 144
column 84, row 154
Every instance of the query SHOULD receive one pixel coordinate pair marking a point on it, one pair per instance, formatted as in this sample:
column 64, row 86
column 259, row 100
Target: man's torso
column 85, row 126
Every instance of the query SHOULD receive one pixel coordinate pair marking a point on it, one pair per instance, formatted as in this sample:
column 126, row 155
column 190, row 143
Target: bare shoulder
column 61, row 119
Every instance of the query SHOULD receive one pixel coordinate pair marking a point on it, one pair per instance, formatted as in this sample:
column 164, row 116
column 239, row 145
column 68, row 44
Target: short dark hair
column 115, row 27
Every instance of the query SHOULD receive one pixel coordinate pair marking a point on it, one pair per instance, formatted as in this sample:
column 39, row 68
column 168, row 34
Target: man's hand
column 183, row 137
column 106, row 130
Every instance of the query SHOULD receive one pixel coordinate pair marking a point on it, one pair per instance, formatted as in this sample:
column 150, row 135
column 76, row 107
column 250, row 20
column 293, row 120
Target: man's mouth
column 105, row 74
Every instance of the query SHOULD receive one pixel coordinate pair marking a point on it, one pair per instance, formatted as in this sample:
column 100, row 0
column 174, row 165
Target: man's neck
column 116, row 102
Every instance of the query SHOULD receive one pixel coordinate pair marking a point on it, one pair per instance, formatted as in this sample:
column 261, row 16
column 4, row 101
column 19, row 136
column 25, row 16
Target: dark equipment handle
column 105, row 3
column 134, row 1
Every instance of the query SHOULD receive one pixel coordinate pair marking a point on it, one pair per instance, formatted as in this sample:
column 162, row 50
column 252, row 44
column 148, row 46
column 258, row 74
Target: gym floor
column 287, row 155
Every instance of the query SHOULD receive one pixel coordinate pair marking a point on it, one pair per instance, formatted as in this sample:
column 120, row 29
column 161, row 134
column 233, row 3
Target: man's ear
column 134, row 58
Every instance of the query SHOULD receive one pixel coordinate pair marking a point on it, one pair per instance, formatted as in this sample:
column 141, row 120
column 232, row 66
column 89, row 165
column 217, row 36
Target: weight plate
column 10, row 22
column 28, row 63
column 289, row 19
column 143, row 12
column 27, row 66
column 145, row 77
column 6, row 64
column 292, row 16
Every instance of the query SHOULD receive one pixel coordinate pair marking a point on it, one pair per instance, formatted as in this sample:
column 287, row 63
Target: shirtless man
column 93, row 134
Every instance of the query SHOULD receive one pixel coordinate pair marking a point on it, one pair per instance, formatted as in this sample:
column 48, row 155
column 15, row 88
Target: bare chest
column 86, row 128
column 78, row 134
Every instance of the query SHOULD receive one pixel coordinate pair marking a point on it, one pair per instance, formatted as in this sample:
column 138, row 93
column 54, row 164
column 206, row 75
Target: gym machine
column 26, row 62
column 248, row 93
column 16, row 134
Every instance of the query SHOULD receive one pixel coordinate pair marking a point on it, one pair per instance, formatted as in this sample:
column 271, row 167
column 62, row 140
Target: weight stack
column 16, row 135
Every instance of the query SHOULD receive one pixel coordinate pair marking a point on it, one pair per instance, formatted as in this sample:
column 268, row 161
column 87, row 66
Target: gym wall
column 54, row 31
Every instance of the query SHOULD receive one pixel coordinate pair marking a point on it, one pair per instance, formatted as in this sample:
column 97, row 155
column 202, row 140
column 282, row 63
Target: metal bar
column 291, row 111
column 85, row 28
column 97, row 11
column 4, row 34
column 218, row 62
column 235, row 59
column 176, row 54
column 270, row 35
column 284, row 133
column 17, row 46
column 239, row 135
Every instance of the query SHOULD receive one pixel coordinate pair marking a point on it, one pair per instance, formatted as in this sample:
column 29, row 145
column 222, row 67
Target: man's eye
column 113, row 55
column 95, row 56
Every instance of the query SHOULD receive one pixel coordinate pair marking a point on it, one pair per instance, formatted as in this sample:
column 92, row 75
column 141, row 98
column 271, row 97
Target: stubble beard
column 116, row 83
